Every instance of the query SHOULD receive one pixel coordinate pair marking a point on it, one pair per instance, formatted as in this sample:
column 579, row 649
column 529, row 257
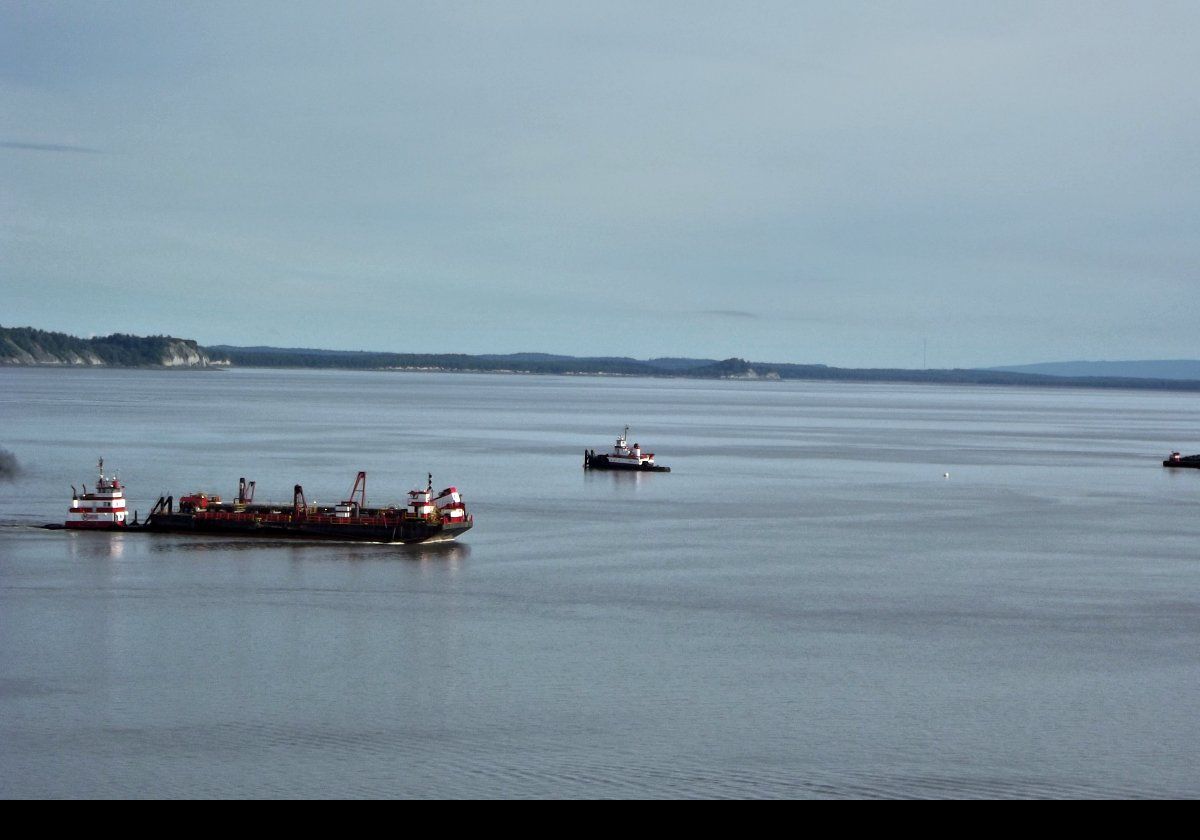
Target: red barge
column 427, row 516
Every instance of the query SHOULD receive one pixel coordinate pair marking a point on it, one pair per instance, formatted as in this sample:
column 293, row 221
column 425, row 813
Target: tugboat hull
column 94, row 526
column 1192, row 461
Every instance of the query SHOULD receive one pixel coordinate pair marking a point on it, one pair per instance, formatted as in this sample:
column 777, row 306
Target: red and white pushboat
column 447, row 505
column 101, row 510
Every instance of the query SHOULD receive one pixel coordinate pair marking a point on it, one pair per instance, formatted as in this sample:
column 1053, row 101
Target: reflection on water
column 89, row 545
column 304, row 549
column 621, row 478
column 451, row 553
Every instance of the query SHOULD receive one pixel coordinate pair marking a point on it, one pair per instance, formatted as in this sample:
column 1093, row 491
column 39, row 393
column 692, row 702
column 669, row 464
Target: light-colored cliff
column 27, row 346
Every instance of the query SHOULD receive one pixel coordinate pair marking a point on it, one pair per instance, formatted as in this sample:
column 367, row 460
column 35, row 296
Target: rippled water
column 804, row 607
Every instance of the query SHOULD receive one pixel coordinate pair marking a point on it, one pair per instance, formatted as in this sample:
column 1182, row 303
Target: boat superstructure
column 103, row 509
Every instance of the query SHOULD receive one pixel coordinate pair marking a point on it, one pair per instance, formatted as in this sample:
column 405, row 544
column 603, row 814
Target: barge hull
column 406, row 531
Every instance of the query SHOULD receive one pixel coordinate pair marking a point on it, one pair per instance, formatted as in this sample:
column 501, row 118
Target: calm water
column 804, row 607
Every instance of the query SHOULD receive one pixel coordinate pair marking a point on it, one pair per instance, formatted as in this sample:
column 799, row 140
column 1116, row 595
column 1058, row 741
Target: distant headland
column 28, row 346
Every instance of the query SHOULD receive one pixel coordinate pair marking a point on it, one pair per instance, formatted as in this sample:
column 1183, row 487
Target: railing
column 385, row 520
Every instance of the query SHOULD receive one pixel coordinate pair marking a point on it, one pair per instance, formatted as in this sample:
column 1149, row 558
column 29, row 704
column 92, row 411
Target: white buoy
column 945, row 475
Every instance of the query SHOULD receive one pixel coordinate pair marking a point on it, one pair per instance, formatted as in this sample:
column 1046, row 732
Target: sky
column 864, row 184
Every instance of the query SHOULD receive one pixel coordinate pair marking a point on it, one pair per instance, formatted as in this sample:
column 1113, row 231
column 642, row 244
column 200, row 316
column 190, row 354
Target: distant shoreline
column 958, row 377
column 29, row 347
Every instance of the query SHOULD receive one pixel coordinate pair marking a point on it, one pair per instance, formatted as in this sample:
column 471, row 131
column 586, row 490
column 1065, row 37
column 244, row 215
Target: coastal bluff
column 29, row 346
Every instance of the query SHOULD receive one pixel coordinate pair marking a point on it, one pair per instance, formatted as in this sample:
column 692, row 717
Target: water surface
column 805, row 606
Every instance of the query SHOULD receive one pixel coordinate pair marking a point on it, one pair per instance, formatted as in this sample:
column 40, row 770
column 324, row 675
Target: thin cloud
column 48, row 147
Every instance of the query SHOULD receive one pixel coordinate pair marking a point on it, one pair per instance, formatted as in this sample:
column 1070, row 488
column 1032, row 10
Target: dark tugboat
column 623, row 457
column 1182, row 461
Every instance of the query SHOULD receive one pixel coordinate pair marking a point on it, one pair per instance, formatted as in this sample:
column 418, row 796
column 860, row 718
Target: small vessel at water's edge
column 623, row 457
column 101, row 510
column 1176, row 460
column 427, row 517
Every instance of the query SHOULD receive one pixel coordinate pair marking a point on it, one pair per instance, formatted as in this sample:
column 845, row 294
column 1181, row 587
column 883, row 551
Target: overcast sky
column 807, row 182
